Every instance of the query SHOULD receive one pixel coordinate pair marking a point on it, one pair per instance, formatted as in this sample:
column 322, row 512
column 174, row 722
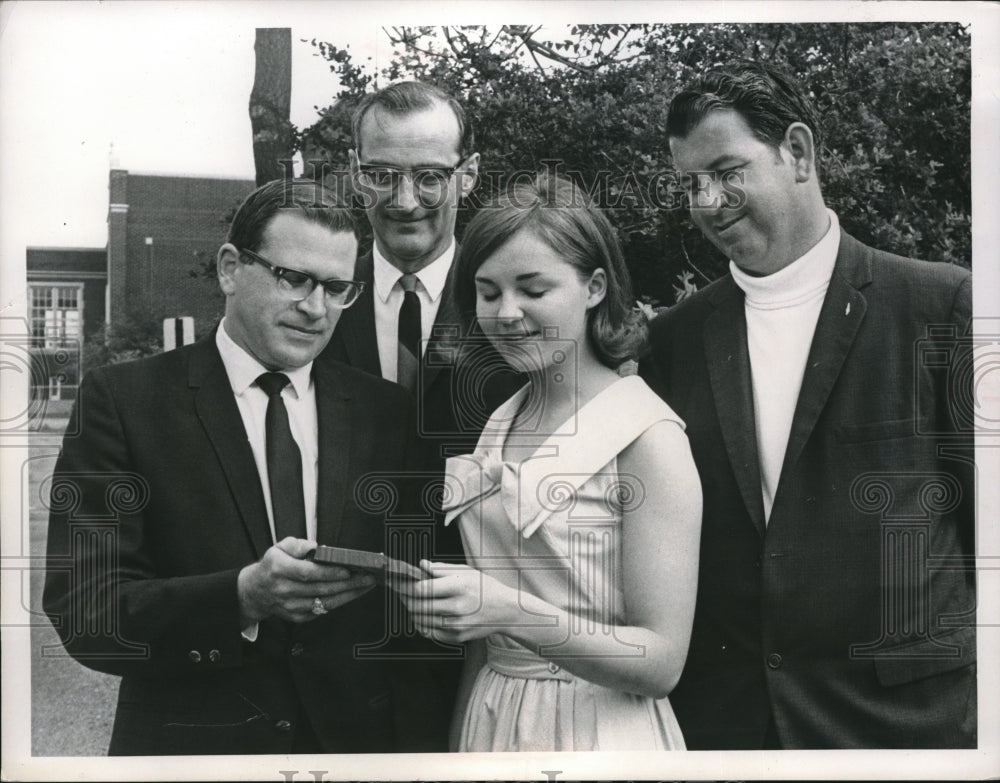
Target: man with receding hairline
column 412, row 164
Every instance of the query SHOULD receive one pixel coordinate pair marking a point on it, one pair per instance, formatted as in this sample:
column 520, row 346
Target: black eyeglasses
column 430, row 182
column 298, row 285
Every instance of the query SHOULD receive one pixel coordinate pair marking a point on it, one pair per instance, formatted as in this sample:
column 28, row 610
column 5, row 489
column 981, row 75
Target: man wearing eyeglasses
column 412, row 164
column 184, row 512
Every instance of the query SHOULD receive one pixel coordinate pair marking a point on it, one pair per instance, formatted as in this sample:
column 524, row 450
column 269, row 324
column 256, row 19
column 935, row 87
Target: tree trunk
column 270, row 103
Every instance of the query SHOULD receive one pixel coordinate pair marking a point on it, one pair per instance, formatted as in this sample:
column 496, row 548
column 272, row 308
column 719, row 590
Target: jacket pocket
column 877, row 430
column 925, row 658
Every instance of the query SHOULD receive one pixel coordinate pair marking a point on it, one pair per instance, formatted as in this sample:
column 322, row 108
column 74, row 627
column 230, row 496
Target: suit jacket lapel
column 728, row 360
column 220, row 416
column 357, row 324
column 443, row 341
column 333, row 415
column 357, row 329
column 839, row 320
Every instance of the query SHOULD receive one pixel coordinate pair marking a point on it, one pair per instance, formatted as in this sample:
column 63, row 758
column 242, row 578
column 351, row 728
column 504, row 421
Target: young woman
column 580, row 509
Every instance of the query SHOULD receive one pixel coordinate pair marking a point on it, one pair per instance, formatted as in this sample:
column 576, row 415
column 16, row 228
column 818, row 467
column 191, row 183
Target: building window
column 57, row 315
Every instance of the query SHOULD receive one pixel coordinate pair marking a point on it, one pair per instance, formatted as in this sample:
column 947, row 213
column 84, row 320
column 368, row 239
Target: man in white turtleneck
column 818, row 428
column 781, row 311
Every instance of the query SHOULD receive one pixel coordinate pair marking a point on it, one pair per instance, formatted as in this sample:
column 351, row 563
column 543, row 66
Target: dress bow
column 528, row 499
column 468, row 479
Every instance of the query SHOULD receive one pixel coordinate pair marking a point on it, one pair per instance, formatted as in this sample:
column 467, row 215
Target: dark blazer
column 849, row 618
column 157, row 505
column 460, row 383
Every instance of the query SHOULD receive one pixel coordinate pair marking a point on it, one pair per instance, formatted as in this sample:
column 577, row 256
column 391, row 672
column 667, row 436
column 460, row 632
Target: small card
column 373, row 563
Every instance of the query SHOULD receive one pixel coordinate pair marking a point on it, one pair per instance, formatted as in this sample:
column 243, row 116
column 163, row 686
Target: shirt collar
column 243, row 369
column 432, row 277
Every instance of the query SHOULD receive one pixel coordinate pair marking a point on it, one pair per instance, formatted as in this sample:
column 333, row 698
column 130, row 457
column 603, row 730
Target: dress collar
column 555, row 468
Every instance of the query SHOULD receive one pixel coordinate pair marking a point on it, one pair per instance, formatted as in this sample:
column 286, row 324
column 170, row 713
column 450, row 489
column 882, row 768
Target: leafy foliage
column 127, row 339
column 895, row 100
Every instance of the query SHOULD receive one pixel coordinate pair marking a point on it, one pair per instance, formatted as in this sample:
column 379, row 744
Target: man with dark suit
column 817, row 380
column 184, row 512
column 413, row 163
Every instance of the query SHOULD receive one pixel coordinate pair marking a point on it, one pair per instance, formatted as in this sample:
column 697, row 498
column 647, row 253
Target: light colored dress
column 552, row 524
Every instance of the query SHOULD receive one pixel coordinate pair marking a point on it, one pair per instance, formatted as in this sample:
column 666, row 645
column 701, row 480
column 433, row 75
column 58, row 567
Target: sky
column 156, row 87
column 165, row 85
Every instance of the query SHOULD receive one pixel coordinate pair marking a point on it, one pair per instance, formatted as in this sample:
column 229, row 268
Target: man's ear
column 468, row 175
column 597, row 288
column 368, row 196
column 798, row 142
column 227, row 261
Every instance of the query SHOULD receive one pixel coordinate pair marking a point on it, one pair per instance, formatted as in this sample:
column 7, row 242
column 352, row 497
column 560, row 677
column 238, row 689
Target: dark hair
column 409, row 97
column 560, row 214
column 312, row 200
column 766, row 98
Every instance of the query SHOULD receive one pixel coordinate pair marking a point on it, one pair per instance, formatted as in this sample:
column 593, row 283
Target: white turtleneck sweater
column 781, row 311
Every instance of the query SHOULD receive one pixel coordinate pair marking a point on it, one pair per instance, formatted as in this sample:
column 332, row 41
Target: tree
column 270, row 102
column 129, row 338
column 894, row 99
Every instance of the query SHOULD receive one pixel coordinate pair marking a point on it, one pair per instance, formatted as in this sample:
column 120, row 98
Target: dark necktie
column 284, row 462
column 408, row 350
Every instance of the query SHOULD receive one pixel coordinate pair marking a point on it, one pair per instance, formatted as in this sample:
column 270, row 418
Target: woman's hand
column 458, row 603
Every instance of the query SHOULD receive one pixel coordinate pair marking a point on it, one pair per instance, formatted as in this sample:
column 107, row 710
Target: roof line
column 176, row 175
column 64, row 248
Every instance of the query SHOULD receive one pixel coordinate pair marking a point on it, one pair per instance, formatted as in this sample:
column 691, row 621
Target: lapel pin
column 847, row 311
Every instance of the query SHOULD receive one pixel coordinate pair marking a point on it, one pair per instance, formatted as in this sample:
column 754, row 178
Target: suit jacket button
column 774, row 660
column 297, row 648
column 194, row 656
column 283, row 725
column 215, row 656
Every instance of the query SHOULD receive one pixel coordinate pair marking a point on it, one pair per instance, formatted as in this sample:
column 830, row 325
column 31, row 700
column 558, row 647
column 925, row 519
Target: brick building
column 160, row 229
column 66, row 306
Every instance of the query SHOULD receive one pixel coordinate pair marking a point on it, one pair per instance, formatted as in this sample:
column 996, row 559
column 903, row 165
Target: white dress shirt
column 299, row 397
column 781, row 311
column 389, row 297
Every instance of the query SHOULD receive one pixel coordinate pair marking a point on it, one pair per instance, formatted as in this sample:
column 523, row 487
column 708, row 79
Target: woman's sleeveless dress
column 552, row 522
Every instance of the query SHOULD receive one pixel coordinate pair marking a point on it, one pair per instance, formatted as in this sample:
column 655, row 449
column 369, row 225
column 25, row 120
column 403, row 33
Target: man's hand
column 284, row 584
